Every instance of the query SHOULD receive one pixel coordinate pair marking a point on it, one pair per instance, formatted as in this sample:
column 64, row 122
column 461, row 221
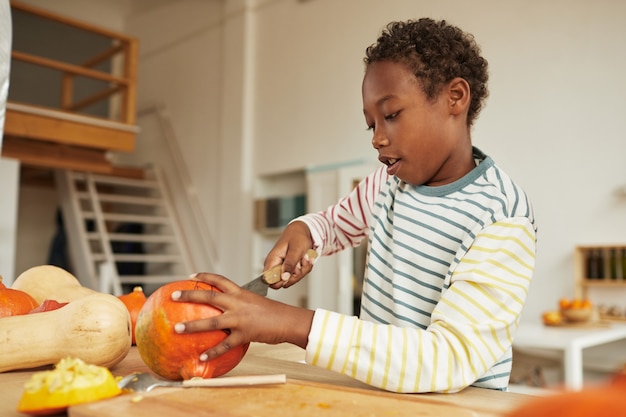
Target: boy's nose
column 379, row 140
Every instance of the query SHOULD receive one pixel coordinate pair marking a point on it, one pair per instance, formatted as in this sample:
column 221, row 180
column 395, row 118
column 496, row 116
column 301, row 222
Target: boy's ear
column 459, row 96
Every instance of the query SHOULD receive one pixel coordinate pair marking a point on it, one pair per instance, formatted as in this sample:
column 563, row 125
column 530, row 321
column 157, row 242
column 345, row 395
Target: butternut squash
column 93, row 326
column 49, row 282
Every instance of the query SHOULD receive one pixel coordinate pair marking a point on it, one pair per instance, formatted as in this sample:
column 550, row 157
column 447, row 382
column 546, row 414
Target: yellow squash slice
column 71, row 382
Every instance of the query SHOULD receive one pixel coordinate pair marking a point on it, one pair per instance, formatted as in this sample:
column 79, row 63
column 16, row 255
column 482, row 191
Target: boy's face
column 421, row 141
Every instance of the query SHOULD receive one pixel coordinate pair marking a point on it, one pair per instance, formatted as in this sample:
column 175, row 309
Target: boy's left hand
column 249, row 317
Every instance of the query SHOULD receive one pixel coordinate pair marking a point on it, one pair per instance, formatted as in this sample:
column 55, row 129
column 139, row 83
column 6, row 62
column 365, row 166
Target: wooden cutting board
column 294, row 399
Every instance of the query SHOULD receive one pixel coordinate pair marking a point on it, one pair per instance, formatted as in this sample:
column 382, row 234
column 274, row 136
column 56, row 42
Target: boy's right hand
column 290, row 251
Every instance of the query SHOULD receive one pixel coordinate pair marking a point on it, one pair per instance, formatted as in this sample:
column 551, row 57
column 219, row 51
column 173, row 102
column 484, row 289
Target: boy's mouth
column 388, row 161
column 392, row 164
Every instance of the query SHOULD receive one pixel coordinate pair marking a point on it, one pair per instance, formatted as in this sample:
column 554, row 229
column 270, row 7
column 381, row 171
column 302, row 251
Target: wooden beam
column 70, row 68
column 94, row 98
column 40, row 154
column 51, row 155
column 48, row 15
column 129, row 102
column 36, row 176
column 68, row 132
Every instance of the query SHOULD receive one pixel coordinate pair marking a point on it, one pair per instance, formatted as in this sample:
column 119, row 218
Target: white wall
column 554, row 119
column 36, row 226
column 180, row 69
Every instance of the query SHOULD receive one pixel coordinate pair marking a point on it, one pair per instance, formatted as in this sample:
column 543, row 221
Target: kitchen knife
column 261, row 283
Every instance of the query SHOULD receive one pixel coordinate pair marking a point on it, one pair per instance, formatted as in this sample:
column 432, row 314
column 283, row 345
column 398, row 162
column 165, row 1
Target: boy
column 451, row 238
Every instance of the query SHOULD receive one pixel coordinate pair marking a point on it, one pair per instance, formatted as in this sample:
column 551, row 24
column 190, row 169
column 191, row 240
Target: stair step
column 135, row 237
column 128, row 218
column 126, row 199
column 140, row 257
column 136, row 257
column 110, row 180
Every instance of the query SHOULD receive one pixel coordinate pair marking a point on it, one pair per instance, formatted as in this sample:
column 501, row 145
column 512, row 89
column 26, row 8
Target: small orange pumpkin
column 15, row 302
column 177, row 356
column 133, row 301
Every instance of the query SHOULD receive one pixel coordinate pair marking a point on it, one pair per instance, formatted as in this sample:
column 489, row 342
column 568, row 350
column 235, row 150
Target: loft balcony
column 72, row 94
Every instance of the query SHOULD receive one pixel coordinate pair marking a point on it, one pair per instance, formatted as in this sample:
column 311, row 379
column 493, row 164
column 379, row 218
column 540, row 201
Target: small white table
column 571, row 341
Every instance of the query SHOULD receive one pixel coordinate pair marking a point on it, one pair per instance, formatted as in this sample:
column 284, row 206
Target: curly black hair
column 436, row 52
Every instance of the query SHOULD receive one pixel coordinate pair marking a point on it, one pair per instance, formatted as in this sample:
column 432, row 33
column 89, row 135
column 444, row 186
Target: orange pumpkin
column 177, row 356
column 14, row 302
column 133, row 302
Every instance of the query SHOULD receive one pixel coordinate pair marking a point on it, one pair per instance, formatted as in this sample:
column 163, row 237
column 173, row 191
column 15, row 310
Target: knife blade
column 260, row 284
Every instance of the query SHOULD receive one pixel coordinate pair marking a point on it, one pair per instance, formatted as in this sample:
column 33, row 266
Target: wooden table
column 309, row 391
column 571, row 341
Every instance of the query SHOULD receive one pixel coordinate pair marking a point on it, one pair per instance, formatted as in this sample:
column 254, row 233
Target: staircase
column 124, row 231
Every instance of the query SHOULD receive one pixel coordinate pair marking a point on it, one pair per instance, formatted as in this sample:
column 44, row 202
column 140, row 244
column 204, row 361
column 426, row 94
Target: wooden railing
column 122, row 46
column 68, row 135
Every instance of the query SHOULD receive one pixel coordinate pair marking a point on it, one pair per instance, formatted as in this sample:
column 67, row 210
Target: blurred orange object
column 577, row 315
column 605, row 400
column 576, row 310
column 552, row 318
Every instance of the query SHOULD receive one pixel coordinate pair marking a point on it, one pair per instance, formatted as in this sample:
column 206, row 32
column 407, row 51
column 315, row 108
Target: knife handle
column 235, row 381
column 273, row 275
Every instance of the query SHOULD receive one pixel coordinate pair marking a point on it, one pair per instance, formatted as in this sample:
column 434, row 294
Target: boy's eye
column 388, row 117
column 392, row 115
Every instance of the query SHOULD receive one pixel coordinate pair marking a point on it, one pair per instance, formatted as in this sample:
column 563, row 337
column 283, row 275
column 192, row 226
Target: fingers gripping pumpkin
column 177, row 356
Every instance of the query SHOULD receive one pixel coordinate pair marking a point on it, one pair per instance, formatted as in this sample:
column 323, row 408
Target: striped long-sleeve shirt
column 448, row 272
